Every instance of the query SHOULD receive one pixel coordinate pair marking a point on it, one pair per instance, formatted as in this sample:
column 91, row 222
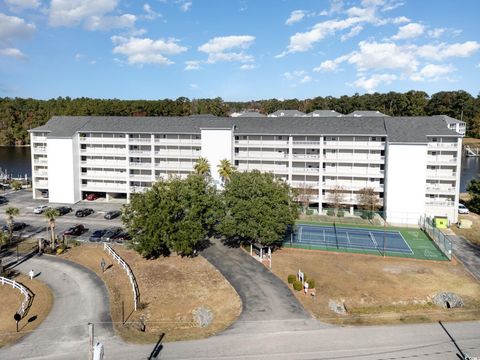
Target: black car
column 62, row 210
column 83, row 212
column 3, row 200
column 16, row 226
column 97, row 235
column 112, row 214
column 110, row 233
column 121, row 237
column 75, row 230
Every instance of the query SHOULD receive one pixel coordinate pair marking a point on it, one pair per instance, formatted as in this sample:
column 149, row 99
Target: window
column 236, row 162
column 236, row 150
column 434, row 139
column 237, row 137
column 374, row 138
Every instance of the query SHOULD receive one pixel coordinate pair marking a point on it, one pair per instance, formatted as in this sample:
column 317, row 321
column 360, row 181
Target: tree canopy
column 175, row 215
column 473, row 189
column 259, row 208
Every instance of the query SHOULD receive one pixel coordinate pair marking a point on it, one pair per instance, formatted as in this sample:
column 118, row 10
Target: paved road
column 468, row 253
column 268, row 305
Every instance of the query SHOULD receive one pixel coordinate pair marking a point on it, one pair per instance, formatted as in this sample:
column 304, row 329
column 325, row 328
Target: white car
column 462, row 209
column 40, row 209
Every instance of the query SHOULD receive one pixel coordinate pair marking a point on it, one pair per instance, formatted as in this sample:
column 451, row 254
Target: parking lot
column 37, row 223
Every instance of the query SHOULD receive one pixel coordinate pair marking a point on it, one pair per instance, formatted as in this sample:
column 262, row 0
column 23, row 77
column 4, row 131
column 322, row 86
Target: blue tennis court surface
column 350, row 238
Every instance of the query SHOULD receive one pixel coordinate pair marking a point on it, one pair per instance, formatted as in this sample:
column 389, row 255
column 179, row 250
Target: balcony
column 353, row 186
column 354, row 144
column 440, row 145
column 40, row 161
column 306, row 170
column 102, row 140
column 442, row 160
column 273, row 169
column 143, row 165
column 439, row 174
column 353, row 172
column 138, row 189
column 40, row 149
column 262, row 143
column 195, row 142
column 37, row 138
column 133, row 140
column 105, row 186
column 103, row 151
column 104, row 175
column 261, row 155
column 41, row 184
column 138, row 177
column 301, row 143
column 354, row 158
column 306, row 156
column 101, row 164
column 177, row 154
column 440, row 190
column 175, row 166
column 304, row 185
column 439, row 203
column 40, row 173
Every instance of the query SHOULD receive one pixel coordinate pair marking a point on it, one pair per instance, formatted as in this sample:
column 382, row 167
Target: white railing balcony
column 306, row 156
column 354, row 144
column 439, row 203
column 178, row 141
column 97, row 163
column 107, row 186
column 266, row 143
column 187, row 167
column 304, row 185
column 442, row 159
column 39, row 138
column 140, row 140
column 274, row 169
column 39, row 149
column 139, row 189
column 40, row 173
column 140, row 152
column 352, row 186
column 436, row 145
column 104, row 175
column 306, row 170
column 41, row 184
column 441, row 174
column 103, row 151
column 440, row 189
column 102, row 140
column 261, row 155
column 40, row 161
column 177, row 154
column 138, row 177
column 141, row 164
column 304, row 143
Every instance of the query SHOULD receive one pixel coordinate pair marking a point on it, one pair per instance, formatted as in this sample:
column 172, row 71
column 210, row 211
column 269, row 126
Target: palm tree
column 225, row 170
column 202, row 167
column 50, row 215
column 11, row 212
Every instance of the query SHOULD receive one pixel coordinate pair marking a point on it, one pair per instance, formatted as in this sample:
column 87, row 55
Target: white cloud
column 305, row 79
column 432, row 72
column 185, row 5
column 369, row 84
column 192, row 65
column 12, row 27
column 295, row 16
column 436, row 33
column 400, row 20
column 247, row 67
column 91, row 13
column 146, row 51
column 353, row 32
column 13, row 52
column 150, row 14
column 193, row 86
column 478, row 65
column 328, row 65
column 297, row 77
column 409, row 31
column 336, row 6
column 16, row 5
column 443, row 51
column 218, row 48
column 79, row 57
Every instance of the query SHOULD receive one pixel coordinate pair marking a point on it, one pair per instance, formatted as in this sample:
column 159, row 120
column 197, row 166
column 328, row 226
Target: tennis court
column 351, row 238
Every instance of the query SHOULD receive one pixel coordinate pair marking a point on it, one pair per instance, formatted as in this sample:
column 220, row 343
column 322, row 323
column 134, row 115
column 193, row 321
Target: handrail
column 136, row 292
column 25, row 292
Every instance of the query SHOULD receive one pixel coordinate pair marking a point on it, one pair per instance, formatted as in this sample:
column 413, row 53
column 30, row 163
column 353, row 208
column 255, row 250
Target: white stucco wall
column 217, row 144
column 405, row 182
column 63, row 172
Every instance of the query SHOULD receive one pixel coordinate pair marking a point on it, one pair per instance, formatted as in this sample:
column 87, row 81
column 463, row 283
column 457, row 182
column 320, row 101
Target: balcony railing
column 442, row 159
column 106, row 186
column 102, row 140
column 138, row 189
column 267, row 143
column 306, row 156
column 141, row 164
column 441, row 174
column 309, row 143
column 39, row 138
column 40, row 161
column 442, row 203
column 178, row 141
column 354, row 144
column 440, row 189
column 40, row 173
column 120, row 163
column 306, row 170
column 103, row 175
column 140, row 152
column 139, row 140
column 39, row 149
column 103, row 151
column 41, row 184
column 139, row 177
column 177, row 154
column 261, row 155
column 436, row 145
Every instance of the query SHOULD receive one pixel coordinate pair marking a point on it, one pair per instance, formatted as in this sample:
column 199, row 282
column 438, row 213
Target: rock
column 337, row 307
column 447, row 300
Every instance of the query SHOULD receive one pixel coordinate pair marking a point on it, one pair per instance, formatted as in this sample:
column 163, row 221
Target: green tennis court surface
column 389, row 241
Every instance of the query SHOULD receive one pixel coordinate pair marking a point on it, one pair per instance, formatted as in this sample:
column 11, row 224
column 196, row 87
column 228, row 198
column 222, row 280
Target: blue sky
column 237, row 49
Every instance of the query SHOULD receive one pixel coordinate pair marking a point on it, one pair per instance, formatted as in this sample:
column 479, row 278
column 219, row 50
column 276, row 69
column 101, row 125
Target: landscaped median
column 172, row 290
column 376, row 290
column 11, row 300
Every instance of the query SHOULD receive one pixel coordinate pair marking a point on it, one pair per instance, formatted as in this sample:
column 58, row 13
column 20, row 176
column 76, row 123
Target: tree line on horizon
column 17, row 115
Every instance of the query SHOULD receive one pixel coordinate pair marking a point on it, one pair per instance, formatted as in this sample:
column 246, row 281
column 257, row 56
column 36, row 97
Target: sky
column 239, row 50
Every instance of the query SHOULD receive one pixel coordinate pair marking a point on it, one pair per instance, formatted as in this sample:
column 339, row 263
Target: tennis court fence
column 442, row 242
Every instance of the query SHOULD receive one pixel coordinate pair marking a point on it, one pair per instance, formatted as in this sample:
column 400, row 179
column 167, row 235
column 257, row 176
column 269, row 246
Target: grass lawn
column 11, row 299
column 378, row 290
column 472, row 234
column 170, row 288
column 423, row 248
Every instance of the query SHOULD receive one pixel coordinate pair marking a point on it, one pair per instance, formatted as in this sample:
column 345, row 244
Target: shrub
column 291, row 278
column 309, row 212
column 16, row 185
column 341, row 213
column 311, row 283
column 305, row 277
column 330, row 212
column 297, row 285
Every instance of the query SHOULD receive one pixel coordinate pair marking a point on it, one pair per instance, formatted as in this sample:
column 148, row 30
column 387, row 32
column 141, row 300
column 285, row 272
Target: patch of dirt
column 472, row 234
column 379, row 290
column 171, row 289
column 11, row 299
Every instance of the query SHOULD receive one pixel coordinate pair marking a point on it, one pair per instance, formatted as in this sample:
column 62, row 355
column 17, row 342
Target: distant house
column 324, row 113
column 287, row 113
column 247, row 113
column 454, row 124
column 360, row 113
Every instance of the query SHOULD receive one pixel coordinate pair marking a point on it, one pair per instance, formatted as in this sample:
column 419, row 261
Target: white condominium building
column 412, row 163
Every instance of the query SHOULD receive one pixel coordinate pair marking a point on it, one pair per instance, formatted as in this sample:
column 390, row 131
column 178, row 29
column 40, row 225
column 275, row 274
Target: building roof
column 286, row 113
column 397, row 129
column 449, row 120
column 249, row 113
column 324, row 113
column 361, row 113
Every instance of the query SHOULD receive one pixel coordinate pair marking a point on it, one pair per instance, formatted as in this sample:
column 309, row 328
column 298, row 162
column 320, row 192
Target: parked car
column 40, row 209
column 112, row 214
column 110, row 233
column 16, row 226
column 83, row 212
column 121, row 237
column 3, row 200
column 75, row 230
column 45, row 194
column 91, row 197
column 62, row 210
column 462, row 209
column 97, row 235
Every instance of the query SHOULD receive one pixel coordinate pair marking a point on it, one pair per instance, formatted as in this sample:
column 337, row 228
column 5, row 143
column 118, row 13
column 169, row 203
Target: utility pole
column 90, row 341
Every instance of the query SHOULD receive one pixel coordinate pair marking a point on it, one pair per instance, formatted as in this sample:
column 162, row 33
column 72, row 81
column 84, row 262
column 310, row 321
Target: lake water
column 17, row 161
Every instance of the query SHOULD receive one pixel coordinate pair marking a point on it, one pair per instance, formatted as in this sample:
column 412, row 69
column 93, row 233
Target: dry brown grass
column 472, row 234
column 170, row 289
column 379, row 290
column 11, row 300
column 471, row 141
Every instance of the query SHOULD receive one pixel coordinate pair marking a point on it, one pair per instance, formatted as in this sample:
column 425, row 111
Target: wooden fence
column 25, row 292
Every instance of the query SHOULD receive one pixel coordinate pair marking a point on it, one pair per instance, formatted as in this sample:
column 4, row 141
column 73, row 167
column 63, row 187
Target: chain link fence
column 442, row 242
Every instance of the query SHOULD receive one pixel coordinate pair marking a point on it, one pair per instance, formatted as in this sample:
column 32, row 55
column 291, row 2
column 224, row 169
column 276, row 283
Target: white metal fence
column 136, row 292
column 26, row 294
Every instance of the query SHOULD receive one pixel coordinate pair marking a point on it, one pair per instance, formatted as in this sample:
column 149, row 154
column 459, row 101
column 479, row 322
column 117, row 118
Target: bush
column 341, row 213
column 16, row 185
column 311, row 283
column 309, row 212
column 297, row 285
column 291, row 278
column 330, row 212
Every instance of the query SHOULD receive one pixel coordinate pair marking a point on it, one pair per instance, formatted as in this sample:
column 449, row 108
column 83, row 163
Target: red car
column 91, row 197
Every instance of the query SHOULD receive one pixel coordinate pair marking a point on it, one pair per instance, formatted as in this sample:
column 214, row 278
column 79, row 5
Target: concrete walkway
column 268, row 304
column 468, row 253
